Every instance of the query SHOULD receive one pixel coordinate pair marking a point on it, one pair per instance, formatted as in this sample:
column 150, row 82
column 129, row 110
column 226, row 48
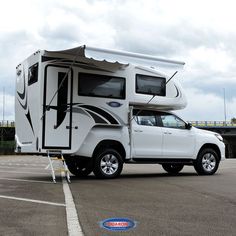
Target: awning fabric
column 119, row 58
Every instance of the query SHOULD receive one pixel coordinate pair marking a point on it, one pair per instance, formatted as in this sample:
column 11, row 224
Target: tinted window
column 150, row 85
column 171, row 121
column 101, row 86
column 33, row 74
column 147, row 118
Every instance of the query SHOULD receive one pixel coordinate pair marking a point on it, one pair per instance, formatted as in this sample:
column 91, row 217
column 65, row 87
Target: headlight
column 219, row 137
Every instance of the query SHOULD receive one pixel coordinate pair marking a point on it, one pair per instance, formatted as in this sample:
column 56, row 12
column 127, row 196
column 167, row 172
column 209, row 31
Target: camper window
column 33, row 74
column 95, row 85
column 152, row 85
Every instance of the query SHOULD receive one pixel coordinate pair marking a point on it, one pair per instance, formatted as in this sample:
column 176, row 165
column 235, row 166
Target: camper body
column 88, row 103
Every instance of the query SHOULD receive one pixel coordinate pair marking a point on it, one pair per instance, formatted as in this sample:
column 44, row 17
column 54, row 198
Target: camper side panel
column 27, row 105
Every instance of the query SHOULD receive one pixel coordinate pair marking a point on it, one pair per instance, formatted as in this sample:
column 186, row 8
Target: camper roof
column 119, row 57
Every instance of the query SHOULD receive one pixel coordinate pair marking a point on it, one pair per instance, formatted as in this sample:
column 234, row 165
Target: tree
column 233, row 120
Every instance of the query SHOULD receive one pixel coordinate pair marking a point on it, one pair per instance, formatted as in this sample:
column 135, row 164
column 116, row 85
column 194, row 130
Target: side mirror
column 188, row 126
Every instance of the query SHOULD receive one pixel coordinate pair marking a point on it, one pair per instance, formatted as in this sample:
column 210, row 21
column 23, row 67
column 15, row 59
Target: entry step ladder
column 58, row 156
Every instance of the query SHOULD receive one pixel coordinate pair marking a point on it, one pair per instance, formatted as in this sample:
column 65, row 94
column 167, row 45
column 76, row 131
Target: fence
column 7, row 147
column 213, row 123
column 7, row 123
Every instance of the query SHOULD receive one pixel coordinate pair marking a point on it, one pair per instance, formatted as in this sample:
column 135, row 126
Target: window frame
column 170, row 114
column 139, row 113
column 123, row 97
column 30, row 81
column 150, row 76
column 157, row 114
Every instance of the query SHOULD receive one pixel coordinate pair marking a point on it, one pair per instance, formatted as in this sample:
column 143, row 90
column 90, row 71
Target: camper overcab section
column 101, row 108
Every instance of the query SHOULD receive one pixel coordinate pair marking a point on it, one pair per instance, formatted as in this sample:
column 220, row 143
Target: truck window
column 172, row 121
column 147, row 118
column 152, row 85
column 95, row 85
column 33, row 74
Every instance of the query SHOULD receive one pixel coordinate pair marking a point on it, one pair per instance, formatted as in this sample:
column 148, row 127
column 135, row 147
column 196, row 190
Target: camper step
column 57, row 156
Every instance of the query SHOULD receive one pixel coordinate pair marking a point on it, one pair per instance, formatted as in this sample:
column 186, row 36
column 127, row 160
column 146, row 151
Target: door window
column 172, row 121
column 147, row 118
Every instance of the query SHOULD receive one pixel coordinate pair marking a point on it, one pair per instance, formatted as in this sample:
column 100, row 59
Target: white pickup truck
column 153, row 137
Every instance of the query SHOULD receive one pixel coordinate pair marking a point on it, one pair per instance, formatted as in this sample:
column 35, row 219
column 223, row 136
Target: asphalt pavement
column 159, row 204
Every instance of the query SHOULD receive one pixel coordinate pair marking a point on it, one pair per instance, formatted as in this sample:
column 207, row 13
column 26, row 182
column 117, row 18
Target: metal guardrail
column 11, row 123
column 212, row 123
column 7, row 123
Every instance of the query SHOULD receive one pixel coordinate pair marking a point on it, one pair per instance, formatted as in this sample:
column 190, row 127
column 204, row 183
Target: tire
column 172, row 168
column 108, row 164
column 207, row 162
column 80, row 167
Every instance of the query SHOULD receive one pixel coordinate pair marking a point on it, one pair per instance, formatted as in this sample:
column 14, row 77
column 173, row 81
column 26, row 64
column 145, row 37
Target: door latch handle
column 71, row 127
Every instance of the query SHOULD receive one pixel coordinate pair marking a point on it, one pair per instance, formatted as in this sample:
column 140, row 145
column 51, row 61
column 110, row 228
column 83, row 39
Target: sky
column 201, row 33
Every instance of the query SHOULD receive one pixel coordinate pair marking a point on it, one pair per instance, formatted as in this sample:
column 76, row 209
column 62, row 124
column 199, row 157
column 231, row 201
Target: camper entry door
column 57, row 107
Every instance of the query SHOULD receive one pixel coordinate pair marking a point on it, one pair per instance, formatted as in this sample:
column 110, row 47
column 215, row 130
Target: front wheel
column 172, row 168
column 207, row 162
column 108, row 164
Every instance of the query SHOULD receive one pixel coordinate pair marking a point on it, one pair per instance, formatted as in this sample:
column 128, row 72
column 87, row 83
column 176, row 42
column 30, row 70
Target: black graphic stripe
column 177, row 91
column 97, row 118
column 22, row 95
column 102, row 113
column 30, row 121
column 23, row 106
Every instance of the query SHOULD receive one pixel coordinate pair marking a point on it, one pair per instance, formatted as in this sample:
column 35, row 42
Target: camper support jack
column 57, row 156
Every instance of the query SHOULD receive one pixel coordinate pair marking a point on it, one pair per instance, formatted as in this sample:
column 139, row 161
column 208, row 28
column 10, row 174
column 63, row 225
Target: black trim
column 97, row 119
column 177, row 91
column 23, row 106
column 33, row 74
column 162, row 94
column 22, row 95
column 28, row 116
column 45, row 107
column 62, row 96
column 102, row 113
column 186, row 161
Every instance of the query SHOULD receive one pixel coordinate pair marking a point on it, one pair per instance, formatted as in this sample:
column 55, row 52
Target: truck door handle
column 167, row 133
column 138, row 131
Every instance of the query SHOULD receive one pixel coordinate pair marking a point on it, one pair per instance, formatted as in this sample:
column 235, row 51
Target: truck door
column 57, row 112
column 146, row 135
column 178, row 141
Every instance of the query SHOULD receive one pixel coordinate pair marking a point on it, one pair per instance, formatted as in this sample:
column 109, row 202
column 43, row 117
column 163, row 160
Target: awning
column 120, row 58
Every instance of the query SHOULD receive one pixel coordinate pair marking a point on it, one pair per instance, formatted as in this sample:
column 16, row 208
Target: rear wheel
column 108, row 164
column 207, row 162
column 172, row 168
column 80, row 167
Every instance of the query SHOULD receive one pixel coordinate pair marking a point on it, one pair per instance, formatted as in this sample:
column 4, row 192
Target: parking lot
column 187, row 204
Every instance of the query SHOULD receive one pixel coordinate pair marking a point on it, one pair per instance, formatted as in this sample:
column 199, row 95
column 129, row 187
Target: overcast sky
column 202, row 33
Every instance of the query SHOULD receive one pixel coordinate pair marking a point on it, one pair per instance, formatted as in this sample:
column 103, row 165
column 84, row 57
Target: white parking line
column 27, row 180
column 24, row 172
column 73, row 225
column 32, row 200
column 21, row 168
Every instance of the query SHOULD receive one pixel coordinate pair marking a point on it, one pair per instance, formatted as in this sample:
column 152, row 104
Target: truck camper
column 101, row 108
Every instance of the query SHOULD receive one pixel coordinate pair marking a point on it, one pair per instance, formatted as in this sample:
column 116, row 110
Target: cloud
column 207, row 106
column 195, row 32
